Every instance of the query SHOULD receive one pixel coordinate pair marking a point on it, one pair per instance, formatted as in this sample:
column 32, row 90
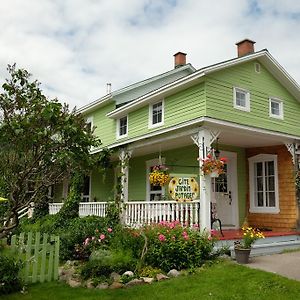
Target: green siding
column 178, row 108
column 105, row 127
column 102, row 186
column 57, row 194
column 219, row 96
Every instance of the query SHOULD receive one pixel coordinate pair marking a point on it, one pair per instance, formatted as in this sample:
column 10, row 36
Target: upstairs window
column 275, row 108
column 122, row 127
column 156, row 114
column 263, row 175
column 241, row 99
column 89, row 123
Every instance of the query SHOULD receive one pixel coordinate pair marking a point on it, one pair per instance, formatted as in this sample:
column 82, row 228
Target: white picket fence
column 138, row 213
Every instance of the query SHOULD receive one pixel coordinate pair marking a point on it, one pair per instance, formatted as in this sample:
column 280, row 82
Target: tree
column 42, row 142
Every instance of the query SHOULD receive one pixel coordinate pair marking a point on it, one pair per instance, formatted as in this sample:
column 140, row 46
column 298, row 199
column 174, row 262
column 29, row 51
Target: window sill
column 150, row 126
column 256, row 210
column 246, row 109
column 119, row 137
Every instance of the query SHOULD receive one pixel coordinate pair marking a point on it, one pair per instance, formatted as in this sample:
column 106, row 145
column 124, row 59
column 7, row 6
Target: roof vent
column 180, row 59
column 245, row 47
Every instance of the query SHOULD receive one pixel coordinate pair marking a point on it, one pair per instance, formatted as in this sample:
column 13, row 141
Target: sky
column 75, row 47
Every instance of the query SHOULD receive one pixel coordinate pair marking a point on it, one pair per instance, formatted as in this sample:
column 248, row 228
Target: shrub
column 172, row 246
column 103, row 262
column 10, row 267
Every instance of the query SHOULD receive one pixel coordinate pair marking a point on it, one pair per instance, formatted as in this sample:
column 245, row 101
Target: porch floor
column 235, row 234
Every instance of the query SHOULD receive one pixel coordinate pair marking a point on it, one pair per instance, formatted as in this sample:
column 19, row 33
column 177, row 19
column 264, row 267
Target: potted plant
column 242, row 248
column 213, row 166
column 159, row 175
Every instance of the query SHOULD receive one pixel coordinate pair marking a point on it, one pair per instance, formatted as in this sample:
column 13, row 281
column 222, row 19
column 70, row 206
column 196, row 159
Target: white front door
column 225, row 192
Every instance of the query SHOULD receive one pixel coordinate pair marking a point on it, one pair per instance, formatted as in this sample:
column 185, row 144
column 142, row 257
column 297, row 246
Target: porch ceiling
column 229, row 135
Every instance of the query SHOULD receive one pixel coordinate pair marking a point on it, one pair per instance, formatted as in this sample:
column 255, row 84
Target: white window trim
column 247, row 108
column 280, row 116
column 150, row 124
column 118, row 128
column 90, row 120
column 253, row 208
column 150, row 163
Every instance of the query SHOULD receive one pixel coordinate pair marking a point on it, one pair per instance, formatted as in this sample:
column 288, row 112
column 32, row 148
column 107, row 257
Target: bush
column 172, row 246
column 10, row 267
column 103, row 262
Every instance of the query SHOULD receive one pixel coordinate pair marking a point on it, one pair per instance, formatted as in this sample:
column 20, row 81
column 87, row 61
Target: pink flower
column 213, row 232
column 161, row 237
column 86, row 241
column 186, row 237
column 109, row 230
column 184, row 233
column 102, row 236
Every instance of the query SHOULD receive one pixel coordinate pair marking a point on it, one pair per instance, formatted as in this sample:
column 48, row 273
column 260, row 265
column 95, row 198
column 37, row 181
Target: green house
column 245, row 109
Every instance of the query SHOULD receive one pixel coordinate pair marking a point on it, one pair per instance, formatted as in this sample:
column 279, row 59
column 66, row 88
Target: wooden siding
column 102, row 186
column 287, row 218
column 219, row 98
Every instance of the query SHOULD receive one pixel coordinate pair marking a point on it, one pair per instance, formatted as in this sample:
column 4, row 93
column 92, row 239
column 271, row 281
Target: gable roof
column 121, row 96
column 262, row 56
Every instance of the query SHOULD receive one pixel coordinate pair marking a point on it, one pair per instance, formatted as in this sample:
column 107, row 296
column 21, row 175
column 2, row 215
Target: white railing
column 138, row 213
column 92, row 209
column 26, row 211
column 54, row 208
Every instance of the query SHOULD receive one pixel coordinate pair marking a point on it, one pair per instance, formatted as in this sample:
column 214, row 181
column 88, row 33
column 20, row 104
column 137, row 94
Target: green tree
column 42, row 142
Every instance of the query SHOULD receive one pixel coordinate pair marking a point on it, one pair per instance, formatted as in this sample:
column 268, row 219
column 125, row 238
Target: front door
column 224, row 193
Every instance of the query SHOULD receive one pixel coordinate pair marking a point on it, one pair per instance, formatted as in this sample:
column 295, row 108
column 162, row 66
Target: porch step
column 269, row 245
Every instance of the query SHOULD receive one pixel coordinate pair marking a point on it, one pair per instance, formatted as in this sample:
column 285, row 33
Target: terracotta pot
column 242, row 255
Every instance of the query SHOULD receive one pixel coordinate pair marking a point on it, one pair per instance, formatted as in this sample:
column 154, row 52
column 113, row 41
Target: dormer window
column 241, row 99
column 275, row 108
column 156, row 114
column 122, row 127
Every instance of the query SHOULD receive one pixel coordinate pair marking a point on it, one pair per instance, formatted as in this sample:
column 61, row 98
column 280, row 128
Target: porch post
column 124, row 157
column 203, row 139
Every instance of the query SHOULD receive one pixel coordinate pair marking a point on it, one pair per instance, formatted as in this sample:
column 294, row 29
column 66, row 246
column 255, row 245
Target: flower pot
column 242, row 255
column 214, row 174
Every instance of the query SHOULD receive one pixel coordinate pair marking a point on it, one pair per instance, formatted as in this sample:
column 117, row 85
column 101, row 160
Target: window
column 241, row 99
column 275, row 108
column 263, row 177
column 122, row 127
column 89, row 123
column 156, row 114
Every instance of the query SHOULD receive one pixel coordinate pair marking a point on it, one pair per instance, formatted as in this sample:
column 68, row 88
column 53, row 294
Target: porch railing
column 138, row 213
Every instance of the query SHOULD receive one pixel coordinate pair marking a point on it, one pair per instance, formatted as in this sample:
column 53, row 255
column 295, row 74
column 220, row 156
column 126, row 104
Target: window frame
column 90, row 120
column 119, row 136
column 247, row 99
column 280, row 102
column 262, row 158
column 150, row 121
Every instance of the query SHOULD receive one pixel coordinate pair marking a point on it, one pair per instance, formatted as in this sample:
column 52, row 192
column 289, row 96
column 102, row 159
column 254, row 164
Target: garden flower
column 109, row 230
column 161, row 237
column 102, row 236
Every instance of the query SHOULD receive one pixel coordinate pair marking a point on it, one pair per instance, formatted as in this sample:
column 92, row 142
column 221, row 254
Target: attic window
column 257, row 67
column 275, row 108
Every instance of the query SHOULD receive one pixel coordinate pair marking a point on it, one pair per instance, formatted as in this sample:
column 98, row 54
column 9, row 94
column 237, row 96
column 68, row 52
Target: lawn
column 224, row 280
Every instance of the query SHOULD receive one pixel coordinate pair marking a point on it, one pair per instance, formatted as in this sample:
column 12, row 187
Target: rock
column 161, row 277
column 148, row 279
column 66, row 273
column 173, row 273
column 129, row 273
column 102, row 286
column 116, row 285
column 135, row 282
column 89, row 284
column 74, row 283
column 115, row 276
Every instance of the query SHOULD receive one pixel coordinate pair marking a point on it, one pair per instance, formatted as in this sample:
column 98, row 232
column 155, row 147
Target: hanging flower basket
column 212, row 166
column 159, row 175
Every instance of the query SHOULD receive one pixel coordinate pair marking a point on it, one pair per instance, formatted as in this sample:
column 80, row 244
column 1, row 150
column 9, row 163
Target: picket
column 41, row 259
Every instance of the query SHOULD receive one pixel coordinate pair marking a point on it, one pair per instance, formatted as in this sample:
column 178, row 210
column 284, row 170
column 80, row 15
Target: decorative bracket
column 292, row 149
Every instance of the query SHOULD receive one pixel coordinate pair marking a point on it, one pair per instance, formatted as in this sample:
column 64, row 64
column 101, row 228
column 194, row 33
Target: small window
column 263, row 174
column 275, row 108
column 156, row 114
column 122, row 127
column 89, row 123
column 257, row 67
column 241, row 99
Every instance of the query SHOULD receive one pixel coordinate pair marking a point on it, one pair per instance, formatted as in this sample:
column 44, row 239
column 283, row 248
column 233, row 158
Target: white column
column 203, row 139
column 124, row 156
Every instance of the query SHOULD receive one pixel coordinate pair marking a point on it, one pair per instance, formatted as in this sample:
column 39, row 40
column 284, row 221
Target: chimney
column 180, row 59
column 245, row 47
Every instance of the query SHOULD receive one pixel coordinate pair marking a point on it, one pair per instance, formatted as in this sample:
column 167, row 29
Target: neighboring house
column 247, row 107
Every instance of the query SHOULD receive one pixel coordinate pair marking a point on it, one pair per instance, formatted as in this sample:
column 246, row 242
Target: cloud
column 74, row 47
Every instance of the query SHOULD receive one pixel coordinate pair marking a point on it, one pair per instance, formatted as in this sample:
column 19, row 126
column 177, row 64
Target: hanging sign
column 183, row 189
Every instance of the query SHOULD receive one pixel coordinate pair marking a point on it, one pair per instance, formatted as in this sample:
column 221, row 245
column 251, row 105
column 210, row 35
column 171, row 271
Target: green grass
column 222, row 281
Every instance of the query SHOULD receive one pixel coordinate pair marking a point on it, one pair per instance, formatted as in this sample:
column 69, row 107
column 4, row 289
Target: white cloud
column 74, row 47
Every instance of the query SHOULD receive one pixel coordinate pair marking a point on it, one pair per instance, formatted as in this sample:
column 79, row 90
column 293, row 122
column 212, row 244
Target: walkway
column 285, row 264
